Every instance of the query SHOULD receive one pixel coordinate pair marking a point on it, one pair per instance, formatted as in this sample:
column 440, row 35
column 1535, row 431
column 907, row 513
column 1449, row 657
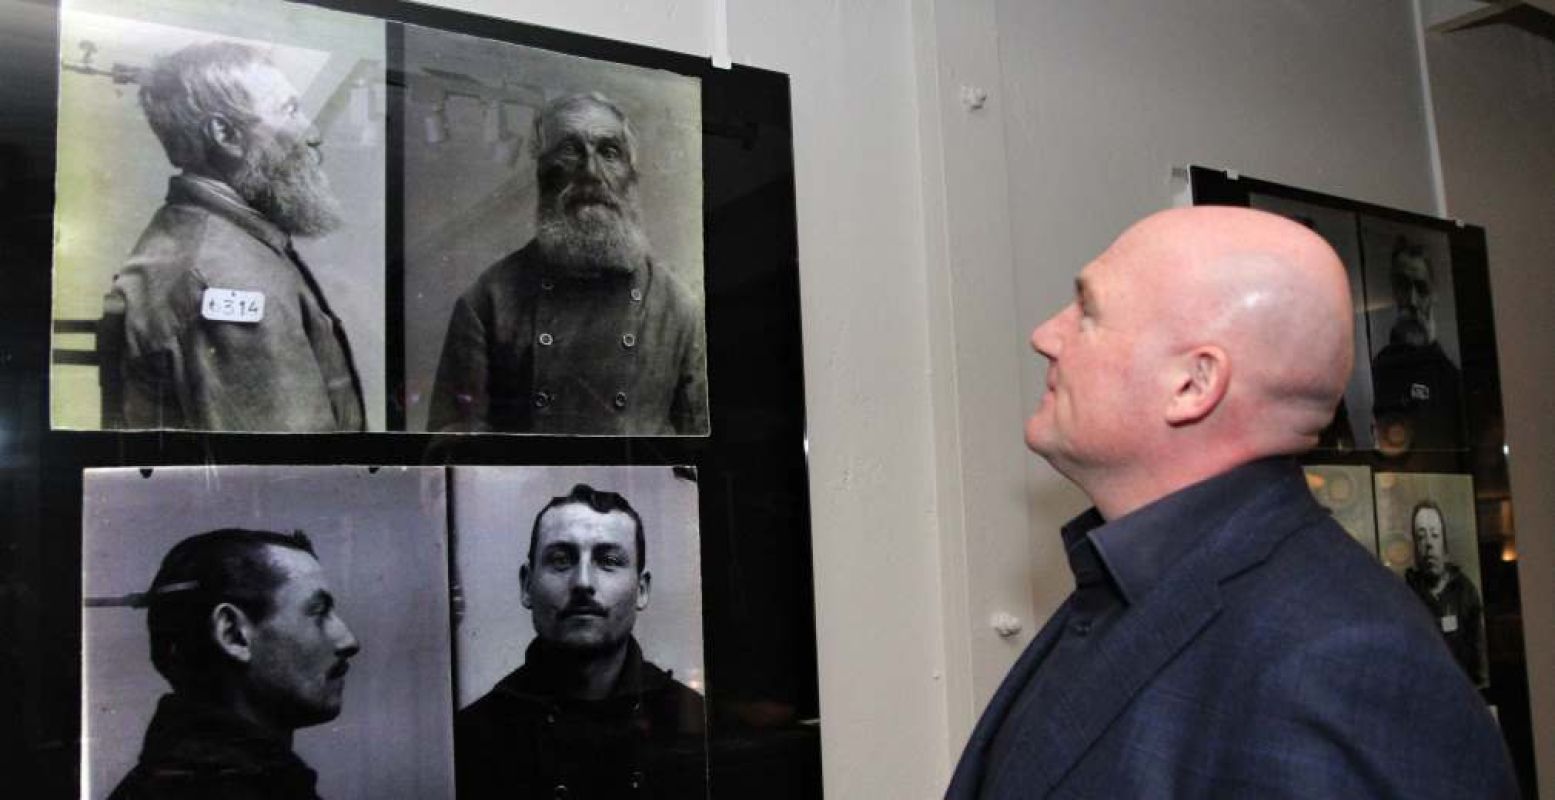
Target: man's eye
column 561, row 560
column 610, row 151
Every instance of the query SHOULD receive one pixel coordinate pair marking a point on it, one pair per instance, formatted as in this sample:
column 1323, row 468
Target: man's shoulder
column 1319, row 578
column 189, row 242
column 670, row 291
column 509, row 698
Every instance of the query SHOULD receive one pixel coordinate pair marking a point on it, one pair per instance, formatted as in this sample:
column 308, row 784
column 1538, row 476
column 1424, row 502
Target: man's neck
column 245, row 707
column 589, row 676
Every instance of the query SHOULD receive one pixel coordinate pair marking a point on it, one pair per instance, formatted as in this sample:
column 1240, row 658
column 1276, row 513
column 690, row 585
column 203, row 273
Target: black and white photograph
column 265, row 632
column 1346, row 492
column 553, row 243
column 578, row 638
column 1413, row 321
column 1429, row 537
column 219, row 257
column 1351, row 428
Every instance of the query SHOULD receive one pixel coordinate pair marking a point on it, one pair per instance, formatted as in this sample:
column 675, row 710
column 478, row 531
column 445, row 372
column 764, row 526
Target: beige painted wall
column 1494, row 93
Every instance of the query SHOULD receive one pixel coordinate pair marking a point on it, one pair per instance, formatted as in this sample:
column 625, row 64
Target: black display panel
column 753, row 507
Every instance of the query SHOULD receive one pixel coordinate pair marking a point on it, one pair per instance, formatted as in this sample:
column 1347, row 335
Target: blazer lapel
column 1142, row 641
column 964, row 783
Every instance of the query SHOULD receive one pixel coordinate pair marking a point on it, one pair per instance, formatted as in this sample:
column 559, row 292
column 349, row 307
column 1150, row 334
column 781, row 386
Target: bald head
column 1201, row 339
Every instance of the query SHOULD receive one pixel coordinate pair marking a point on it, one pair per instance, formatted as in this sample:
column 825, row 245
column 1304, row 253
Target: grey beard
column 599, row 241
column 291, row 190
column 1410, row 330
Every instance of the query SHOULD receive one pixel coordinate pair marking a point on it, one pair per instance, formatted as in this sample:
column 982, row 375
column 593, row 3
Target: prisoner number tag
column 1449, row 623
column 232, row 305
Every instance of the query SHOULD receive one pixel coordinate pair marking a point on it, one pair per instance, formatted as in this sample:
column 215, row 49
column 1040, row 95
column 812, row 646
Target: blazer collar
column 1153, row 630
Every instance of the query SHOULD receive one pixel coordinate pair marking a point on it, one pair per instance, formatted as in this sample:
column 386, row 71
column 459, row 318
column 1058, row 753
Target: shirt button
column 637, row 295
column 542, row 399
column 545, row 339
column 1082, row 628
column 629, row 340
column 620, row 400
column 547, row 284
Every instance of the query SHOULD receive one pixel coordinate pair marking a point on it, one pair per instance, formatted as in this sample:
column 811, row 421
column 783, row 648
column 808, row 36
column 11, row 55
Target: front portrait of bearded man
column 582, row 331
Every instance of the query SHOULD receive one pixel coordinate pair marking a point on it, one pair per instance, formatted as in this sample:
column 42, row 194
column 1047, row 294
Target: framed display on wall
column 1414, row 464
column 463, row 300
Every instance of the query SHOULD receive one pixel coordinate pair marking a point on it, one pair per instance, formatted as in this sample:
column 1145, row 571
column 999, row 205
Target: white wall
column 863, row 283
column 1494, row 91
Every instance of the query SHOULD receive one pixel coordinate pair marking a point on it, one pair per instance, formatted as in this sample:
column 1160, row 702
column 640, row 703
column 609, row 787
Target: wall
column 867, row 374
column 1494, row 94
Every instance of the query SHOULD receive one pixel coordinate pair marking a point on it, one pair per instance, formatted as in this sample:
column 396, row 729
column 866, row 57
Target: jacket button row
column 629, row 340
column 637, row 295
column 545, row 339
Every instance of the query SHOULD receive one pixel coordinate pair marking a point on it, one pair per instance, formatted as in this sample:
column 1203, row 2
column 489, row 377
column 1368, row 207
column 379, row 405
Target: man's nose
column 1045, row 339
column 346, row 644
column 583, row 577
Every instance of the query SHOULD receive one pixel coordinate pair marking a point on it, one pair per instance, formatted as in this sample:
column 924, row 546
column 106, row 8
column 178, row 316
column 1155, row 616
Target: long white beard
column 594, row 240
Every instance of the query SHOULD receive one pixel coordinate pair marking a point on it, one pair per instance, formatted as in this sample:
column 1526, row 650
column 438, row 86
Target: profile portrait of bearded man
column 581, row 331
column 214, row 322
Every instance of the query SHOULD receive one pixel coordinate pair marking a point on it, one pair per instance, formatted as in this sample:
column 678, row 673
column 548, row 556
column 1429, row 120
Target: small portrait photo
column 1412, row 318
column 1426, row 523
column 578, row 632
column 553, row 243
column 219, row 217
column 1346, row 492
column 1351, row 428
column 265, row 632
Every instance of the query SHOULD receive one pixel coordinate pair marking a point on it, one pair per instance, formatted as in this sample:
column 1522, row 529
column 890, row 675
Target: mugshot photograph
column 265, row 632
column 220, row 216
column 553, row 227
column 1415, row 363
column 1430, row 539
column 578, row 648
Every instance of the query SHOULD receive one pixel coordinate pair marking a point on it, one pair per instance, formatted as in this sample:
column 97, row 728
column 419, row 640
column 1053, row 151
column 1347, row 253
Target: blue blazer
column 1277, row 659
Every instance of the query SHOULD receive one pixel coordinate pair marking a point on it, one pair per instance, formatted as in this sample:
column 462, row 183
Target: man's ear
column 1199, row 383
column 224, row 136
column 231, row 631
column 644, row 583
column 523, row 586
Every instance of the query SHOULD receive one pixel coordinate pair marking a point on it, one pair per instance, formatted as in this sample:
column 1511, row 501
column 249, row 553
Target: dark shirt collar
column 544, row 675
column 219, row 198
column 1139, row 548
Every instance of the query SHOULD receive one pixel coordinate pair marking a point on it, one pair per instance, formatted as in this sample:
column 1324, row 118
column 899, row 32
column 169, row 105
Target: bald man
column 1225, row 637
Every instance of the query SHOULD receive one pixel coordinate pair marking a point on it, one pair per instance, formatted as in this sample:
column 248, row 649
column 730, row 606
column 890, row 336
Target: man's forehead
column 576, row 523
column 591, row 120
column 1412, row 266
column 299, row 571
column 267, row 85
column 1428, row 516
